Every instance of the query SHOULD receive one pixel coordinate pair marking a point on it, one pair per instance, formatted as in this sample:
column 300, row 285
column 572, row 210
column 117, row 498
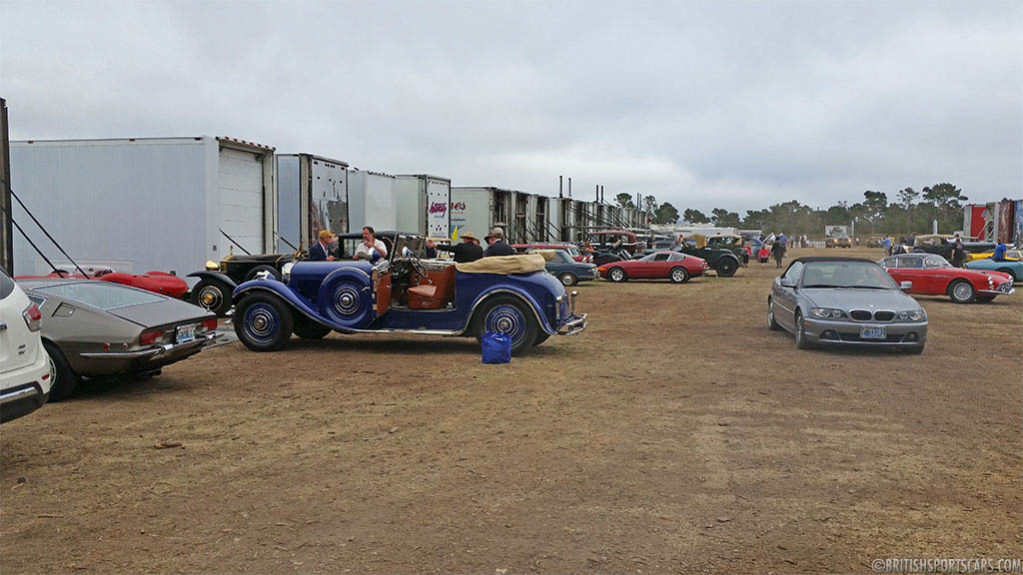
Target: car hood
column 847, row 299
column 164, row 312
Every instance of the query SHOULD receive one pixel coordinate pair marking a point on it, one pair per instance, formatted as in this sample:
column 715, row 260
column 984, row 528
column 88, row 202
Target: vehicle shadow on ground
column 124, row 387
column 403, row 347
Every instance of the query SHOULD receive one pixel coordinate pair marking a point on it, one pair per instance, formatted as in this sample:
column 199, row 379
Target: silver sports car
column 93, row 328
column 845, row 301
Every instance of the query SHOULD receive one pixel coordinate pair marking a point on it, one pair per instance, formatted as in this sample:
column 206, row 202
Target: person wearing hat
column 497, row 247
column 320, row 252
column 467, row 251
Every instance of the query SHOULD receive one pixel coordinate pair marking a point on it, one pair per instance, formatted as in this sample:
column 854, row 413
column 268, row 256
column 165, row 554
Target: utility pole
column 6, row 230
column 561, row 182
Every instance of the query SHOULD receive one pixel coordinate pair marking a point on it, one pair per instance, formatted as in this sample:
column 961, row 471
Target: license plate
column 872, row 333
column 184, row 333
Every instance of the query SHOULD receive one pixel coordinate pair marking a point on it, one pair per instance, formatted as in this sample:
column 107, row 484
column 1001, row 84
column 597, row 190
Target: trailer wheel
column 212, row 295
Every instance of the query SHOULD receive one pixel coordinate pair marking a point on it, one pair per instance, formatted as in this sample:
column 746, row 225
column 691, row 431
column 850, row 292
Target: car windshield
column 416, row 244
column 101, row 295
column 846, row 275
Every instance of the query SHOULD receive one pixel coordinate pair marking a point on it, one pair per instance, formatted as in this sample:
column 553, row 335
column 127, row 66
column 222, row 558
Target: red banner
column 978, row 217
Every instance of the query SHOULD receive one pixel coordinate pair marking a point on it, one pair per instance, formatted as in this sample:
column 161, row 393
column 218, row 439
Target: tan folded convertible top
column 504, row 265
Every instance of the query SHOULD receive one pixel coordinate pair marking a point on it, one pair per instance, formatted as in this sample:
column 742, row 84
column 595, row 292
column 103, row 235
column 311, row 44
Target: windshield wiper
column 864, row 287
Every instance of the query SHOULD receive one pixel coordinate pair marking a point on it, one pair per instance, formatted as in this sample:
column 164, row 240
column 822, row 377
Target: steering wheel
column 417, row 264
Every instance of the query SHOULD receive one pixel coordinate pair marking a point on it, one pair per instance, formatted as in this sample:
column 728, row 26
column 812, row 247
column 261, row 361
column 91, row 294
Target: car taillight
column 33, row 317
column 210, row 324
column 150, row 336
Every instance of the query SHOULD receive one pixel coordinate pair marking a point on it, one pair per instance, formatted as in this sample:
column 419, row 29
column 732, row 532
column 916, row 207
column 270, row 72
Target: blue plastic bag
column 496, row 347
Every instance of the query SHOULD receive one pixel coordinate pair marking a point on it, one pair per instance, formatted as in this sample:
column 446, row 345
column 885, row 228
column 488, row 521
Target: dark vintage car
column 943, row 244
column 561, row 265
column 722, row 260
column 92, row 328
column 513, row 295
column 218, row 281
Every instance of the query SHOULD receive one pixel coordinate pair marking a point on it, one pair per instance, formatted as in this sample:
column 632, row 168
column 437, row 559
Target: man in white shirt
column 370, row 249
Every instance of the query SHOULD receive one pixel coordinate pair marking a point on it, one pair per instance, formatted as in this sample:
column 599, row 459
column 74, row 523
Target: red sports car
column 157, row 282
column 674, row 266
column 931, row 274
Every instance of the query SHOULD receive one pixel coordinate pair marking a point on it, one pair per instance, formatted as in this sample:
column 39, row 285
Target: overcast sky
column 704, row 104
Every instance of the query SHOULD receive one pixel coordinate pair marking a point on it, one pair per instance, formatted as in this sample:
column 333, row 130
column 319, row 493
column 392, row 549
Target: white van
column 25, row 374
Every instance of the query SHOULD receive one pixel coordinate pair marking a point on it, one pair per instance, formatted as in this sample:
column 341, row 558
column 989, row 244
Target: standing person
column 371, row 248
column 958, row 253
column 497, row 247
column 778, row 251
column 467, row 251
column 320, row 252
column 886, row 243
column 756, row 243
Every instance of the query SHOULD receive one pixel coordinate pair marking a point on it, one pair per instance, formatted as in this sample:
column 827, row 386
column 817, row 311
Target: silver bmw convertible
column 845, row 302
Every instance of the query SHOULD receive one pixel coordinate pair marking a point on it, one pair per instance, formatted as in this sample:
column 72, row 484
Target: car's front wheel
column 772, row 323
column 568, row 279
column 212, row 295
column 801, row 341
column 263, row 322
column 63, row 380
column 510, row 316
column 679, row 275
column 617, row 275
column 961, row 291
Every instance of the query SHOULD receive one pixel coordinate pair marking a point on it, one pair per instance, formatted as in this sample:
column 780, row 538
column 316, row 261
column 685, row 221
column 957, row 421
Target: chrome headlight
column 914, row 315
column 827, row 313
column 286, row 271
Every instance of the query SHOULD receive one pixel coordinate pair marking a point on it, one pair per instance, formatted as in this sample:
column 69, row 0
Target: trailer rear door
column 241, row 197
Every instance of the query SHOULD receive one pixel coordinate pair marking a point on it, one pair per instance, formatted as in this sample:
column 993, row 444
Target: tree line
column 909, row 212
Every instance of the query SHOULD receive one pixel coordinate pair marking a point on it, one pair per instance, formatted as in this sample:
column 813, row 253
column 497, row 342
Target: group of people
column 764, row 248
column 373, row 250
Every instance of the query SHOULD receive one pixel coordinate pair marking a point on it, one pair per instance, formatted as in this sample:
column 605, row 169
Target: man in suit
column 467, row 251
column 320, row 252
column 497, row 247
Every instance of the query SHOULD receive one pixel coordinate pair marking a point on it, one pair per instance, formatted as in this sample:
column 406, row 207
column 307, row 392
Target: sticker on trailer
column 438, row 216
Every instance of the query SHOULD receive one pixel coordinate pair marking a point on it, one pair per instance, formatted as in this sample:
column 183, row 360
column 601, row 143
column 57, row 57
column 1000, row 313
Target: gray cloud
column 704, row 104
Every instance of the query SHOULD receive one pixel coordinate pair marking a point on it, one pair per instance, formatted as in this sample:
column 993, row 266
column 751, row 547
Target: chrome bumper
column 156, row 352
column 1010, row 291
column 19, row 394
column 574, row 325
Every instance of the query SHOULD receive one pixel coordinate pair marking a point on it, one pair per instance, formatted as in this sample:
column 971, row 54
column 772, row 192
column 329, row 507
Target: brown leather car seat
column 437, row 293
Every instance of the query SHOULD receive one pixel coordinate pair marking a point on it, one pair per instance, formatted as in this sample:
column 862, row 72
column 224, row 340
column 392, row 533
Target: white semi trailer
column 478, row 210
column 423, row 204
column 312, row 195
column 372, row 201
column 140, row 204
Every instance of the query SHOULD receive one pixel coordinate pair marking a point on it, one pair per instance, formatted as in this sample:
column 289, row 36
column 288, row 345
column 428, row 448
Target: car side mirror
column 787, row 283
column 905, row 286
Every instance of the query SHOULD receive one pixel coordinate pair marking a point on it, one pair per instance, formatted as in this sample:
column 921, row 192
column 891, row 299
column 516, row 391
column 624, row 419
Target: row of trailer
column 994, row 222
column 142, row 204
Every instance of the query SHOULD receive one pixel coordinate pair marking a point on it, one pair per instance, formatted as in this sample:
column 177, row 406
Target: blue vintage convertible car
column 510, row 294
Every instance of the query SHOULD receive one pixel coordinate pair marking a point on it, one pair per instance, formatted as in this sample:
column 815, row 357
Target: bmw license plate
column 872, row 333
column 184, row 333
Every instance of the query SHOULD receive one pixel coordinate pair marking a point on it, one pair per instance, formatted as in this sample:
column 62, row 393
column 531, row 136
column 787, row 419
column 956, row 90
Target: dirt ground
column 676, row 435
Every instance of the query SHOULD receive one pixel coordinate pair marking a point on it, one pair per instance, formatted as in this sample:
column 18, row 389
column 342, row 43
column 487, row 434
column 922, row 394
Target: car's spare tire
column 346, row 298
column 274, row 273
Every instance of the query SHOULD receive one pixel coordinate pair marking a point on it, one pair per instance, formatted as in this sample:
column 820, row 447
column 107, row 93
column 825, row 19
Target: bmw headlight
column 826, row 313
column 914, row 315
